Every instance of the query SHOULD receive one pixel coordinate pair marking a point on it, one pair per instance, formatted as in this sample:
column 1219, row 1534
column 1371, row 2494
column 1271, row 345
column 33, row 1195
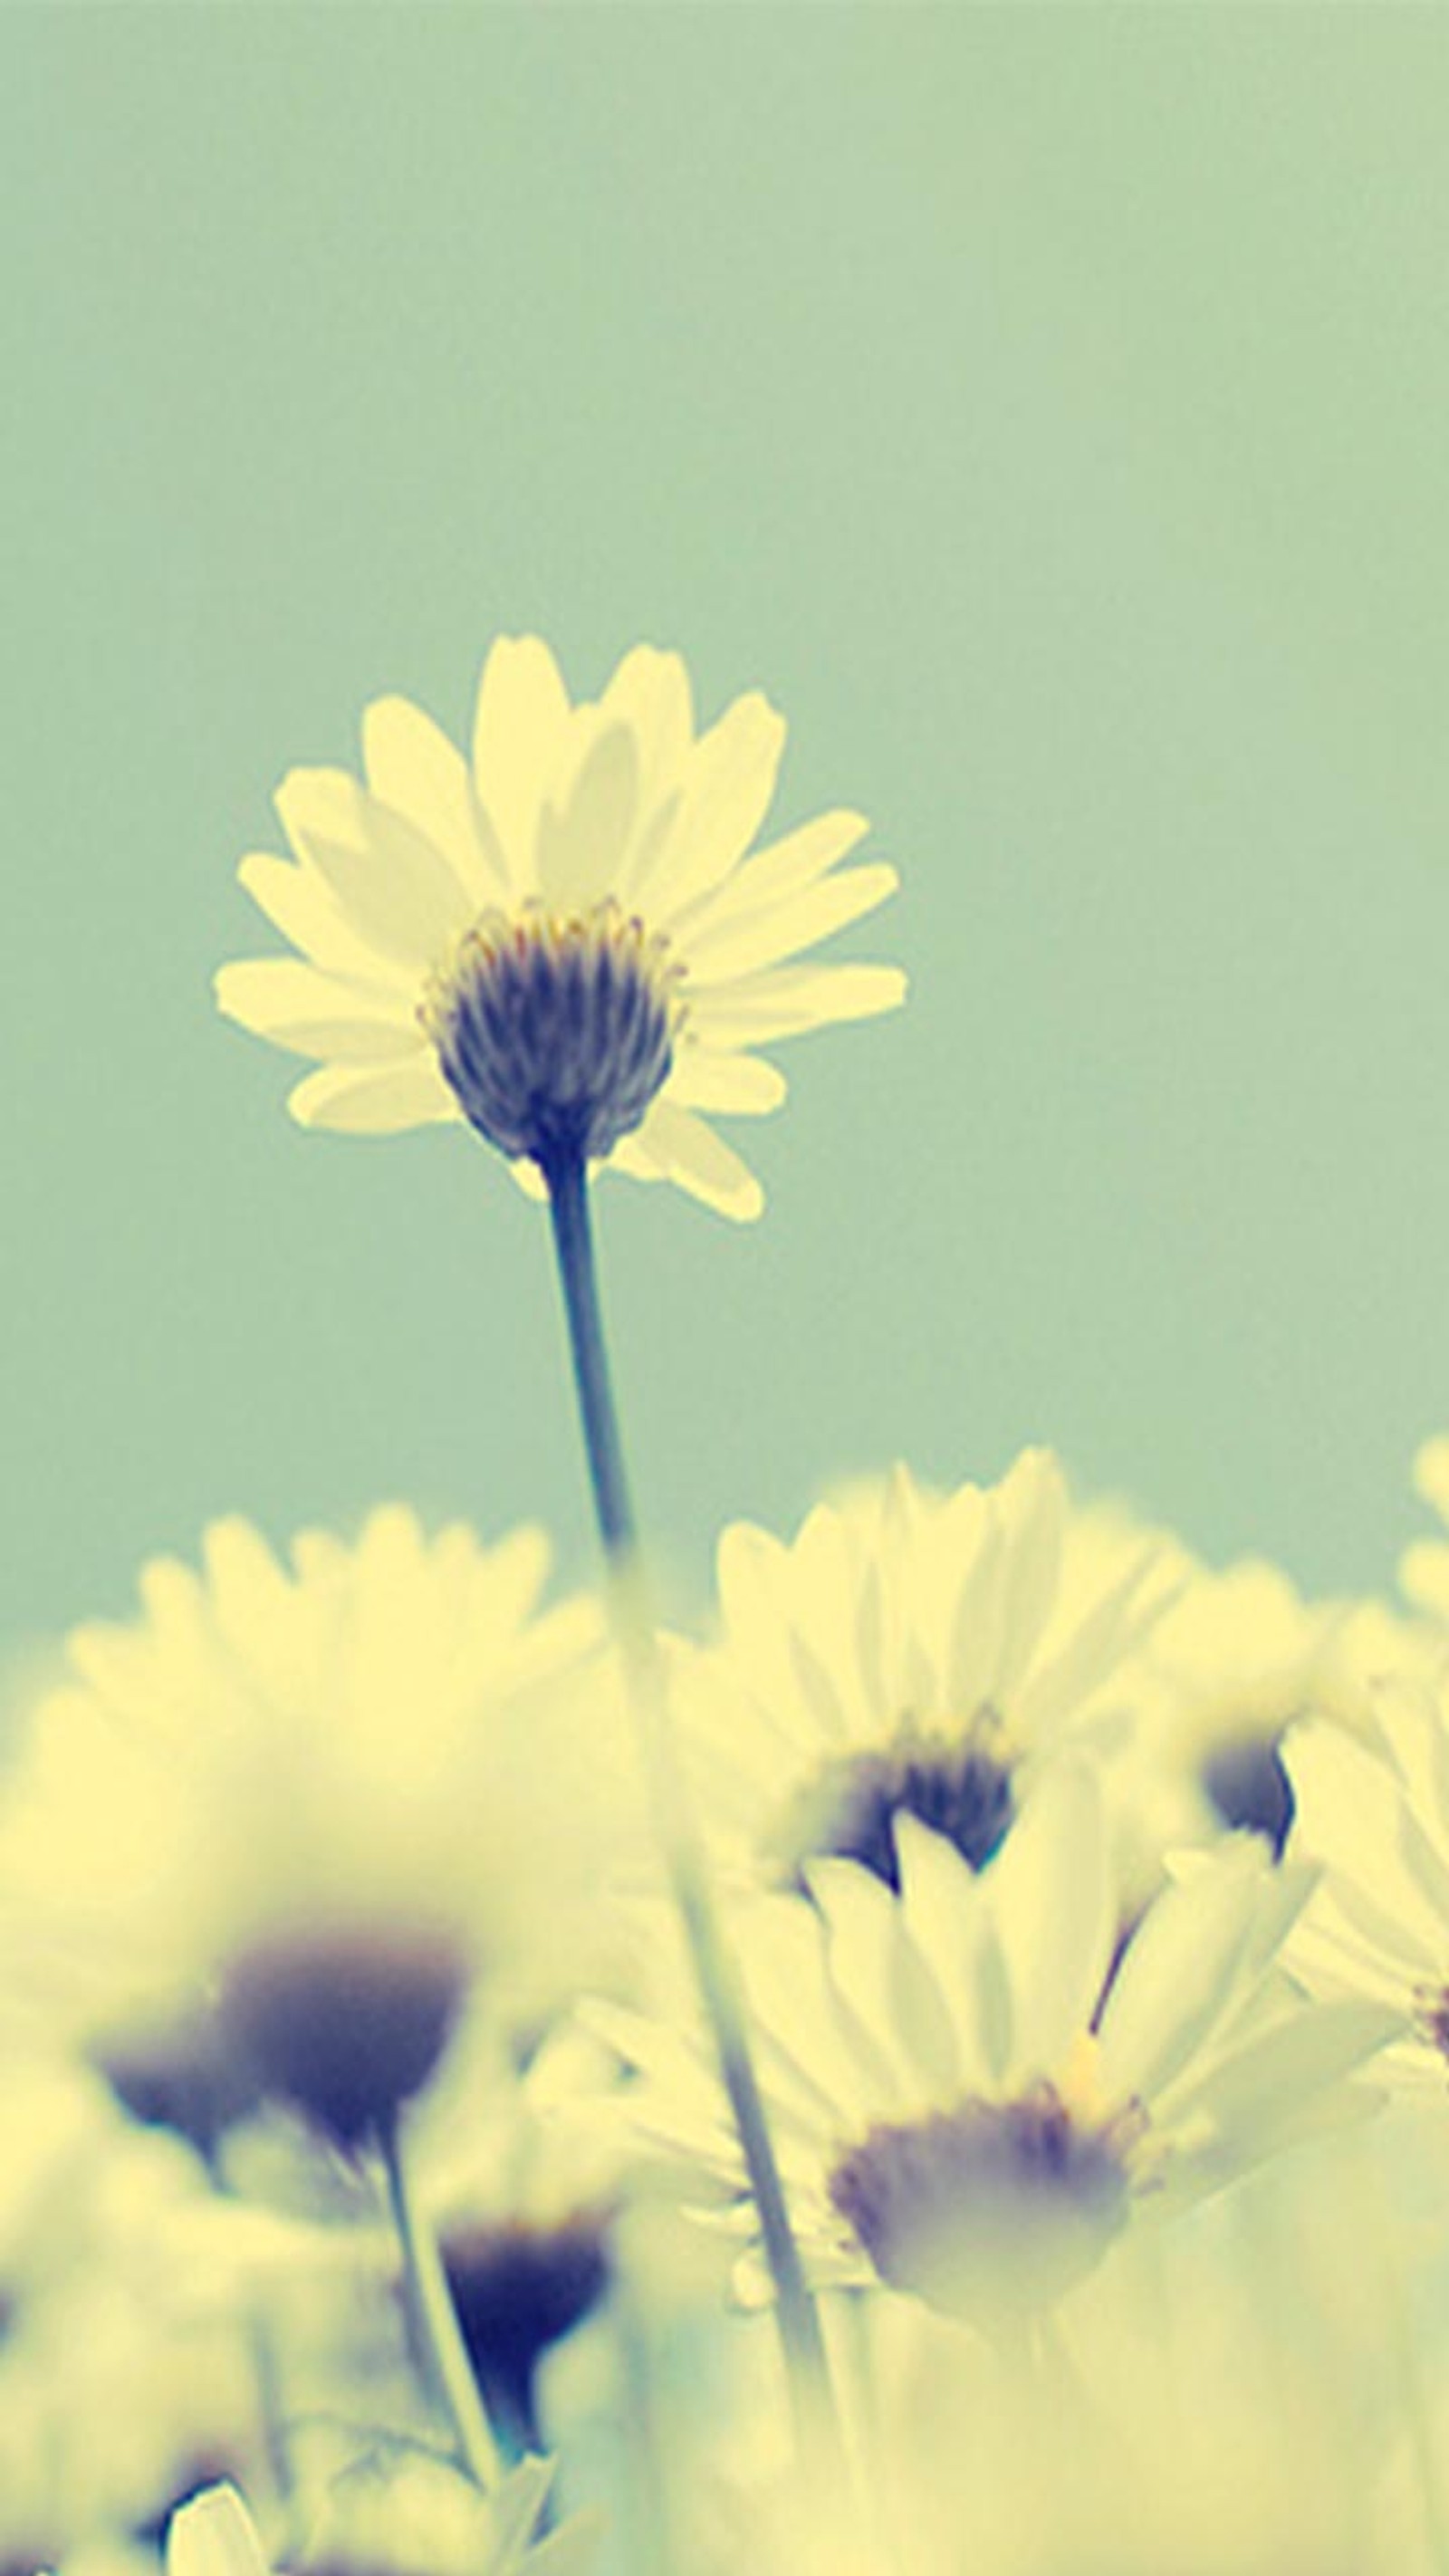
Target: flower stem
column 679, row 1837
column 435, row 2322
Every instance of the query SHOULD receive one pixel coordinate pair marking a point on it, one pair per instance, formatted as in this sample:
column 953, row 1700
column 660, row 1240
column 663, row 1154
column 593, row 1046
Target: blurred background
column 1048, row 409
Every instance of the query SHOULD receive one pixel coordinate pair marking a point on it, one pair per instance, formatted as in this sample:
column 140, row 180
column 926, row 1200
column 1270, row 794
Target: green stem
column 679, row 1837
column 452, row 2385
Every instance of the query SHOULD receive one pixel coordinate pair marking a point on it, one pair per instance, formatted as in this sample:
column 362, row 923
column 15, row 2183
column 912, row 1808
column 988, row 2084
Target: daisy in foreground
column 567, row 942
column 393, row 2522
column 957, row 2114
column 272, row 1830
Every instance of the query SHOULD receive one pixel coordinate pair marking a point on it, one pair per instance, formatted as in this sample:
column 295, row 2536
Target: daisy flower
column 285, row 1816
column 1374, row 1815
column 910, row 1653
column 567, row 941
column 957, row 2112
column 392, row 2520
column 1235, row 1660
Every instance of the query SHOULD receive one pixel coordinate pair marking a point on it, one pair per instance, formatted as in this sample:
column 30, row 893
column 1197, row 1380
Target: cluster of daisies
column 941, row 2068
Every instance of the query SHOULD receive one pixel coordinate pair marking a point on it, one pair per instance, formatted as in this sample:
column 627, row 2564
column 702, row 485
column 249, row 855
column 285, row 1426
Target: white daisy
column 1374, row 1815
column 318, row 1796
column 1239, row 1656
column 392, row 2518
column 956, row 2111
column 911, row 1653
column 567, row 941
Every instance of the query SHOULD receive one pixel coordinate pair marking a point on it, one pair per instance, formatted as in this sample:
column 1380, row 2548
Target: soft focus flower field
column 941, row 2068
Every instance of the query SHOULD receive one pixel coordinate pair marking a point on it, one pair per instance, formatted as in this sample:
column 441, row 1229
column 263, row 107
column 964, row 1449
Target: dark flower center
column 1250, row 1788
column 519, row 2289
column 555, row 1035
column 961, row 1790
column 347, row 2024
column 988, row 2209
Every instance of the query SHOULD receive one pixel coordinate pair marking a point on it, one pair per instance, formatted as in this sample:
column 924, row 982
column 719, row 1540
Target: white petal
column 1051, row 1896
column 412, row 766
column 783, row 1001
column 520, row 739
column 726, row 787
column 315, row 1014
column 682, row 1148
column 650, row 694
column 582, row 839
column 785, row 867
column 214, row 2535
column 381, row 1103
column 397, row 892
column 1177, row 1977
column 738, row 1086
column 307, row 913
column 740, row 942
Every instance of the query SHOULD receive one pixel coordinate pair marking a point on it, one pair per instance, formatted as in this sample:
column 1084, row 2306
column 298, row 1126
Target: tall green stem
column 679, row 1837
column 440, row 2343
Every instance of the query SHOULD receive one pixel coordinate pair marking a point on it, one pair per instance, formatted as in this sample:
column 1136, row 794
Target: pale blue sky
column 1048, row 408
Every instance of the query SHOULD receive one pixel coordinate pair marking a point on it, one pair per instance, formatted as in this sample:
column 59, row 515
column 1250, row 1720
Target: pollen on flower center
column 990, row 2207
column 962, row 1790
column 556, row 1034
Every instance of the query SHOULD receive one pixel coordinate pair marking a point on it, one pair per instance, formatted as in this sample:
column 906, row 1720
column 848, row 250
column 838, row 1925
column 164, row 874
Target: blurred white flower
column 911, row 1653
column 111, row 2399
column 1236, row 1659
column 322, row 1796
column 956, row 2111
column 1374, row 1815
column 393, row 2518
column 565, row 943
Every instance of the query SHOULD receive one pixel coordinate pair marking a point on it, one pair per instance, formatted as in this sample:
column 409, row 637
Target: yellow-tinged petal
column 378, row 1102
column 725, row 791
column 738, row 1086
column 784, row 867
column 740, row 943
column 214, row 2535
column 682, row 1148
column 298, row 903
column 398, row 892
column 783, row 1001
column 583, row 838
column 412, row 767
column 314, row 1014
column 650, row 693
column 520, row 733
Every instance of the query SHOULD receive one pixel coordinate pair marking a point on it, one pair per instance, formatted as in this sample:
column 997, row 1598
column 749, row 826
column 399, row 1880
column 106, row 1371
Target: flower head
column 957, row 2110
column 569, row 941
column 910, row 1653
column 297, row 1807
column 1374, row 1815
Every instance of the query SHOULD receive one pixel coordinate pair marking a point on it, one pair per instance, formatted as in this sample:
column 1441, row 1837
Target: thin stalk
column 679, row 1837
column 448, row 2370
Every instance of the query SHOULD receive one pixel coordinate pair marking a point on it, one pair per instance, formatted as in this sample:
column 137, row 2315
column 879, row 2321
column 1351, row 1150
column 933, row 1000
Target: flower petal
column 728, row 781
column 379, row 1102
column 412, row 767
column 292, row 1004
column 680, row 1147
column 520, row 736
column 396, row 891
column 784, row 1001
column 741, row 944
